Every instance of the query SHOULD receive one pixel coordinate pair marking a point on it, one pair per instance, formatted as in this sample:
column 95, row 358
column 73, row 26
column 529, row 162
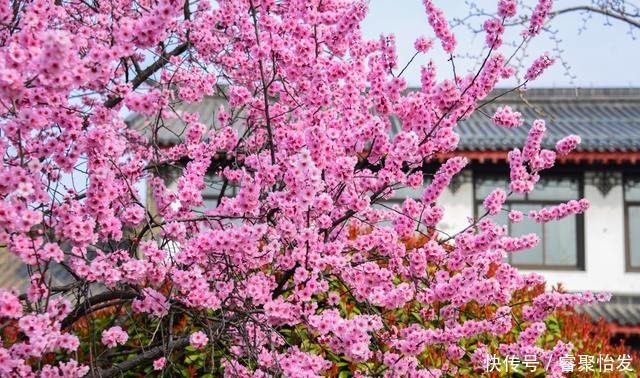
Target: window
column 632, row 217
column 561, row 242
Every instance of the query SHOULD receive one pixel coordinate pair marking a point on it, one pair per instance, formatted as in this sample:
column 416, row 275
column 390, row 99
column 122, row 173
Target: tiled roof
column 606, row 120
column 624, row 311
column 172, row 130
column 13, row 272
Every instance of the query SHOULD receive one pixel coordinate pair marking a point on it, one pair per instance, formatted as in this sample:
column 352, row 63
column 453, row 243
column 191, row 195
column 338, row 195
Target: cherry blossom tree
column 305, row 269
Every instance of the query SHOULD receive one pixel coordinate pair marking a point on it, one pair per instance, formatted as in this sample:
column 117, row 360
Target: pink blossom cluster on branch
column 567, row 144
column 440, row 26
column 539, row 17
column 506, row 117
column 559, row 211
column 507, row 8
column 494, row 29
column 494, row 201
column 537, row 68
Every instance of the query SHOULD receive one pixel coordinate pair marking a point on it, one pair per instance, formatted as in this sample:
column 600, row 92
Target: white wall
column 458, row 208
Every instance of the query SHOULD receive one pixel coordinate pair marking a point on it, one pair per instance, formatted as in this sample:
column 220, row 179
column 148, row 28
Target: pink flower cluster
column 42, row 335
column 506, row 117
column 350, row 337
column 494, row 29
column 524, row 166
column 10, row 306
column 507, row 8
column 559, row 211
column 442, row 178
column 114, row 336
column 440, row 26
column 158, row 364
column 534, row 139
column 513, row 244
column 567, row 144
column 538, row 67
column 515, row 216
column 494, row 201
column 539, row 17
column 198, row 340
column 296, row 363
column 152, row 302
column 423, row 44
column 267, row 214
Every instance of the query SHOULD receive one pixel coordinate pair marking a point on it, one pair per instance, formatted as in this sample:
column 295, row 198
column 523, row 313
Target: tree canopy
column 300, row 268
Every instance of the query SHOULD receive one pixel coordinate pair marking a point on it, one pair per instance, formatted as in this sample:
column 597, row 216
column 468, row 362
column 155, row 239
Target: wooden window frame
column 627, row 232
column 580, row 235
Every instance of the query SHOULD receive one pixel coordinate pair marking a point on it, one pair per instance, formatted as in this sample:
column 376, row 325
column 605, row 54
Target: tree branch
column 150, row 70
column 149, row 355
column 283, row 280
column 86, row 307
column 265, row 86
column 602, row 11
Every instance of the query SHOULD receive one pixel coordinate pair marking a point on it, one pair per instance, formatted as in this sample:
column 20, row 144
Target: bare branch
column 86, row 307
column 603, row 11
column 150, row 70
column 149, row 355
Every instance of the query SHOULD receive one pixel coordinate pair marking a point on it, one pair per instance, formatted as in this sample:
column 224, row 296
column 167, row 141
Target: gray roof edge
column 562, row 94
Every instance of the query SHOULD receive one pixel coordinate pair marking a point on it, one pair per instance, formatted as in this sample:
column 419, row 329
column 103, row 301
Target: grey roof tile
column 13, row 273
column 607, row 119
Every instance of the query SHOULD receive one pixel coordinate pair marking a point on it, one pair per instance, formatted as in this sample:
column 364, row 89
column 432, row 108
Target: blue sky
column 600, row 56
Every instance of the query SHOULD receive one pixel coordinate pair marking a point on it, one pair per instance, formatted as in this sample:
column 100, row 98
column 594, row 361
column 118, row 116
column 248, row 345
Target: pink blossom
column 10, row 306
column 537, row 68
column 333, row 298
column 152, row 302
column 539, row 16
column 507, row 8
column 494, row 29
column 559, row 211
column 159, row 363
column 443, row 177
column 506, row 117
column 494, row 201
column 567, row 144
column 198, row 340
column 423, row 44
column 515, row 216
column 513, row 244
column 267, row 210
column 440, row 26
column 534, row 140
column 114, row 336
column 52, row 251
column 133, row 215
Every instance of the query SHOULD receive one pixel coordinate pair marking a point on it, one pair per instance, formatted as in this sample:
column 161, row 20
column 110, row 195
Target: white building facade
column 601, row 261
